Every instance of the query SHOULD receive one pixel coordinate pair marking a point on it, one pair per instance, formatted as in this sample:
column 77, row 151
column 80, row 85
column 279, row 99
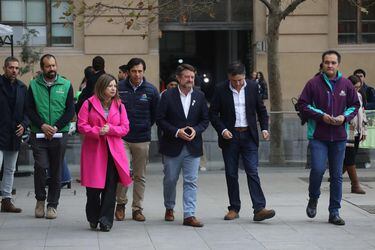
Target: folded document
column 42, row 135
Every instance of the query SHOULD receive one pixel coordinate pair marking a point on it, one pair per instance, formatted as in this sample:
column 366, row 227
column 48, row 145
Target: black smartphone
column 188, row 131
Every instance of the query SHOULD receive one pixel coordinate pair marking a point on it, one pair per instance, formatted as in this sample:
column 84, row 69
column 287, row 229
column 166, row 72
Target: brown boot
column 120, row 212
column 356, row 188
column 8, row 207
column 264, row 214
column 231, row 215
column 169, row 216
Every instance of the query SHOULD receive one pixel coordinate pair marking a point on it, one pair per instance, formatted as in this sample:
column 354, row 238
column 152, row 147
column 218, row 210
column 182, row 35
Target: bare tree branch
column 291, row 7
column 268, row 5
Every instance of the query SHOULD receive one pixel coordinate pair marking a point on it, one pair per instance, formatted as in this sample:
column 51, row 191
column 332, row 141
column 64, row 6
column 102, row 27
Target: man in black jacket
column 234, row 111
column 13, row 124
column 182, row 116
column 98, row 67
column 140, row 99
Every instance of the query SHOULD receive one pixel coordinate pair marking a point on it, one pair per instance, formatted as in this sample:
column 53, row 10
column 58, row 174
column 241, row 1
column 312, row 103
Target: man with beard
column 182, row 116
column 50, row 109
column 13, row 124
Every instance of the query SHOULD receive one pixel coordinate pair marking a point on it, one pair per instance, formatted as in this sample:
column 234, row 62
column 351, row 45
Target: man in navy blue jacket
column 182, row 116
column 140, row 99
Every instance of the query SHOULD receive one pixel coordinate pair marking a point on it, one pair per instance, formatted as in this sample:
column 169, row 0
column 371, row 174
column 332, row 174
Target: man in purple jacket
column 328, row 101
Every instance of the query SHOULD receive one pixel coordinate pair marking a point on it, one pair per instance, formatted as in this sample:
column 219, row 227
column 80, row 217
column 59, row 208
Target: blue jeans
column 242, row 144
column 335, row 152
column 10, row 159
column 172, row 167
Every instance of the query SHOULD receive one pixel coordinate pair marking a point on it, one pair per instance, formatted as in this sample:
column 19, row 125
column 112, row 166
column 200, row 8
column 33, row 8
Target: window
column 40, row 15
column 223, row 11
column 355, row 26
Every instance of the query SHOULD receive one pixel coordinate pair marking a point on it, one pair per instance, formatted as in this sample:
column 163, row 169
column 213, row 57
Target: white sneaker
column 202, row 169
column 51, row 213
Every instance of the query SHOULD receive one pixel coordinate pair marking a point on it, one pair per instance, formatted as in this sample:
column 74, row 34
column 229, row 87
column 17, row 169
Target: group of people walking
column 115, row 120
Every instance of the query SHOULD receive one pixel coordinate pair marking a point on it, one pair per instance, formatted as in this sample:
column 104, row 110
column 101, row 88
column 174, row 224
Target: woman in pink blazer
column 103, row 122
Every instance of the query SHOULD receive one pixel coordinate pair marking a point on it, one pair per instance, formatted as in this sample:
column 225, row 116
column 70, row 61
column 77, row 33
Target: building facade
column 237, row 32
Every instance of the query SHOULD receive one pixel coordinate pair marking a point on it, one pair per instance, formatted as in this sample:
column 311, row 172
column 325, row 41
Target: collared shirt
column 185, row 100
column 49, row 84
column 135, row 87
column 239, row 106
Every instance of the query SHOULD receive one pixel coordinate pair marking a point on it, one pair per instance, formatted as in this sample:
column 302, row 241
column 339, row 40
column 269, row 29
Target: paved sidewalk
column 285, row 190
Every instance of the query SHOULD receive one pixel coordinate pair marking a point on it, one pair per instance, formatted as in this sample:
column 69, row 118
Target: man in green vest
column 50, row 109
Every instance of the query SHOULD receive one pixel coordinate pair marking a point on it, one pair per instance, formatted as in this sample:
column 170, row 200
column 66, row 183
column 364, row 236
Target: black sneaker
column 104, row 228
column 93, row 225
column 311, row 208
column 336, row 220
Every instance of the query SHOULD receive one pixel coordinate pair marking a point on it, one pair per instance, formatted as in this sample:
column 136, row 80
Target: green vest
column 50, row 105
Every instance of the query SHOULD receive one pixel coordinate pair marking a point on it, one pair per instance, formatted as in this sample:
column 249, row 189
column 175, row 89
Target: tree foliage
column 29, row 54
column 136, row 14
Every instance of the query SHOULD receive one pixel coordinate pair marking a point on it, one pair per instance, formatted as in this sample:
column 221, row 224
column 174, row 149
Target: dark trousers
column 48, row 155
column 242, row 144
column 100, row 204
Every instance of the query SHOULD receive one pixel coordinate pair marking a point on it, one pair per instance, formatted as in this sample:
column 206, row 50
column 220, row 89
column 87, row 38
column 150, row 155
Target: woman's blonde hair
column 102, row 83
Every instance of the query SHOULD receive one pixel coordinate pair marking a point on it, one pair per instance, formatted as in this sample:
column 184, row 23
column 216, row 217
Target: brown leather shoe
column 231, row 215
column 8, row 207
column 264, row 214
column 138, row 216
column 169, row 215
column 120, row 212
column 193, row 222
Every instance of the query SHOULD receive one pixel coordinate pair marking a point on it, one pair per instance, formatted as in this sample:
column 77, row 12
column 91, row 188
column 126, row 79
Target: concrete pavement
column 285, row 190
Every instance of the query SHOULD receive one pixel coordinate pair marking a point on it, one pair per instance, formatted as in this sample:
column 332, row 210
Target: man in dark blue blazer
column 182, row 116
column 234, row 111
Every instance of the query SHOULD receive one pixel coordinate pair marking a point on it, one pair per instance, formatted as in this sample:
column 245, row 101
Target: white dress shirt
column 239, row 105
column 185, row 101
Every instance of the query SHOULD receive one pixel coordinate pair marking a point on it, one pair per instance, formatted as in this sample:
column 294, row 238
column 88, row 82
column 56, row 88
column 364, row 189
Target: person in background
column 98, row 65
column 368, row 92
column 122, row 72
column 262, row 84
column 13, row 124
column 103, row 122
column 254, row 75
column 357, row 131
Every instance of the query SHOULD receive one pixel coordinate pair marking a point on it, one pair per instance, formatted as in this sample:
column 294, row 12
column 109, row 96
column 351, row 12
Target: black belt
column 241, row 129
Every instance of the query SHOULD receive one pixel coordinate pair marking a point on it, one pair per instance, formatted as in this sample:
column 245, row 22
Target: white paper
column 42, row 135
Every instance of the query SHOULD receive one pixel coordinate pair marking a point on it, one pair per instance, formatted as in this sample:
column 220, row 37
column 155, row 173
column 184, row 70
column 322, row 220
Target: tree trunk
column 277, row 144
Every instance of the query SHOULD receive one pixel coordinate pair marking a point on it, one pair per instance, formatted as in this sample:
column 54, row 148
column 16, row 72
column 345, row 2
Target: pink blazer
column 94, row 152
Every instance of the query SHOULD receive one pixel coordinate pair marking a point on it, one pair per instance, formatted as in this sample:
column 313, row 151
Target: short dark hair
column 98, row 63
column 88, row 71
column 136, row 61
column 332, row 52
column 354, row 79
column 46, row 56
column 236, row 68
column 359, row 71
column 10, row 59
column 183, row 67
column 123, row 68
